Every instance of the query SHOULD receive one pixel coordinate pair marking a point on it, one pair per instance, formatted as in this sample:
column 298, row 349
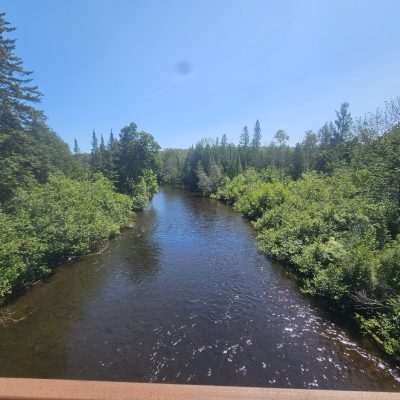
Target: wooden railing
column 49, row 389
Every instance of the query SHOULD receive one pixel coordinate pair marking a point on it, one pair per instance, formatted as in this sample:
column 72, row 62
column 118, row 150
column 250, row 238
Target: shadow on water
column 183, row 297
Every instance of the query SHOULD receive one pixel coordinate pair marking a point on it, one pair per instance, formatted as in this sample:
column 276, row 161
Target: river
column 183, row 297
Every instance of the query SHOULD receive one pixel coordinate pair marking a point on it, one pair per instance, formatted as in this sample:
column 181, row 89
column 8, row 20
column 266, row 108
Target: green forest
column 328, row 207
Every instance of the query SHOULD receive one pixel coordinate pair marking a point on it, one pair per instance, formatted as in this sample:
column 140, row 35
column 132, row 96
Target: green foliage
column 137, row 152
column 12, row 251
column 208, row 183
column 334, row 234
column 380, row 165
column 384, row 327
column 171, row 166
column 384, row 324
column 16, row 91
column 130, row 162
column 256, row 141
column 144, row 189
column 29, row 150
column 32, row 155
column 49, row 223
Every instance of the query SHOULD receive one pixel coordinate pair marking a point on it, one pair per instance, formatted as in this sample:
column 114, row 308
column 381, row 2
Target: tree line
column 201, row 167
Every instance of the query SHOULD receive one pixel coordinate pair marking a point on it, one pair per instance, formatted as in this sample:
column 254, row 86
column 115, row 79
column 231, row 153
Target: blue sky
column 186, row 69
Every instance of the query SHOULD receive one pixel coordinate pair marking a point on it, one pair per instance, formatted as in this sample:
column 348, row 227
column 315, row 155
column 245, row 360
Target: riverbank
column 49, row 224
column 333, row 237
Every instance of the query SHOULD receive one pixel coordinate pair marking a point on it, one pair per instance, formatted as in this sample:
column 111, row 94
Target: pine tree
column 224, row 140
column 16, row 91
column 111, row 140
column 256, row 142
column 95, row 146
column 245, row 138
column 76, row 147
column 95, row 156
column 102, row 145
column 28, row 148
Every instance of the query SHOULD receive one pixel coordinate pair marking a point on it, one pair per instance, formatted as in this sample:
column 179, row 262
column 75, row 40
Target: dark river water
column 184, row 297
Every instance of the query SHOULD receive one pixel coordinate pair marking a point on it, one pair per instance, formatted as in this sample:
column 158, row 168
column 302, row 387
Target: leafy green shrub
column 384, row 324
column 254, row 202
column 48, row 223
column 335, row 235
column 144, row 189
column 232, row 190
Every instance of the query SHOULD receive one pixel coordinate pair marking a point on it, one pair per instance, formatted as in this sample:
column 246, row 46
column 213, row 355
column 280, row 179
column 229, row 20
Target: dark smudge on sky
column 183, row 68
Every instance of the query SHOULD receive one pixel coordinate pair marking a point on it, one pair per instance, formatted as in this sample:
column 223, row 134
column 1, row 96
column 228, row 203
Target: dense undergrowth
column 335, row 233
column 46, row 224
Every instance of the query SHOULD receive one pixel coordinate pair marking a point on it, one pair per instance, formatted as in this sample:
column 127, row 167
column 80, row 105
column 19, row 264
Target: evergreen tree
column 111, row 140
column 76, row 147
column 102, row 145
column 224, row 140
column 16, row 91
column 109, row 156
column 95, row 156
column 256, row 142
column 245, row 138
column 29, row 150
column 95, row 146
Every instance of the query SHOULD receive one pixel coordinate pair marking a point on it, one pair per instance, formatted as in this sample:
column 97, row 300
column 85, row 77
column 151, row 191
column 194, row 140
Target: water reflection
column 144, row 251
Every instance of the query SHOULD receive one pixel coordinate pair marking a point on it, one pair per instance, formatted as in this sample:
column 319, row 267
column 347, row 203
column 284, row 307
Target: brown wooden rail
column 49, row 389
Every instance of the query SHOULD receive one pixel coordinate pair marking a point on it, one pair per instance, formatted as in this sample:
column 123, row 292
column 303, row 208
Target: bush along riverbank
column 47, row 224
column 336, row 233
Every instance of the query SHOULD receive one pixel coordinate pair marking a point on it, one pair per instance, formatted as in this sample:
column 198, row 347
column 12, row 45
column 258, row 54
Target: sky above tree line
column 184, row 70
